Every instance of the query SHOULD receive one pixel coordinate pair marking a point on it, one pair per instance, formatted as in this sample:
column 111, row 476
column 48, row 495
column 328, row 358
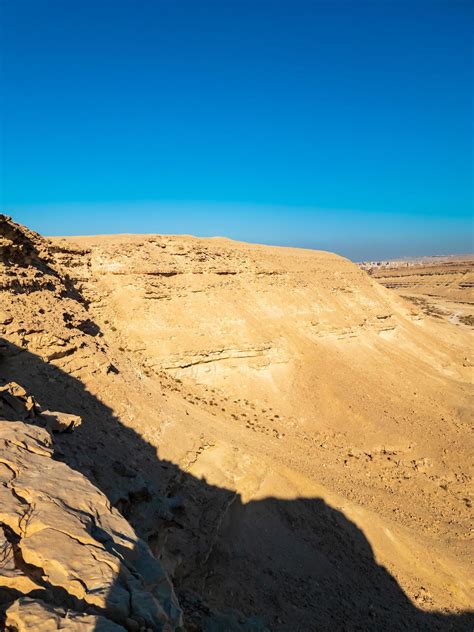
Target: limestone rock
column 15, row 403
column 27, row 614
column 250, row 381
column 60, row 422
column 61, row 538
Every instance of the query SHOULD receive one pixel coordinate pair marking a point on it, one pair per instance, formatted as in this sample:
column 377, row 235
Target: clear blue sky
column 339, row 125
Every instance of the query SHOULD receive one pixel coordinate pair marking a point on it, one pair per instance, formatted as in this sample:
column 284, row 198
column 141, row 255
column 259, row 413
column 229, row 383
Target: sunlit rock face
column 256, row 437
column 66, row 547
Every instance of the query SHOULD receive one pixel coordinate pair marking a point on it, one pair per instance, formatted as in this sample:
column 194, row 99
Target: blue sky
column 338, row 125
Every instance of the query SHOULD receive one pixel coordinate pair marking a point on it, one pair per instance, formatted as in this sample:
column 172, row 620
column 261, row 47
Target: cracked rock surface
column 64, row 545
column 288, row 437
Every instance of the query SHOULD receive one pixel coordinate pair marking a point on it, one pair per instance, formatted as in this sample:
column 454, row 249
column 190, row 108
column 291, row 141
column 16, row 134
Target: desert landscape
column 441, row 286
column 205, row 434
column 236, row 316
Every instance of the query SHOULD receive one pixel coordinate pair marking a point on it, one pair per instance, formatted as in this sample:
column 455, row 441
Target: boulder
column 25, row 615
column 60, row 422
column 61, row 538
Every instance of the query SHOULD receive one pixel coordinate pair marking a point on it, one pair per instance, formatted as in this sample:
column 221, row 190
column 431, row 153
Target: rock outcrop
column 69, row 559
column 268, row 429
column 68, row 550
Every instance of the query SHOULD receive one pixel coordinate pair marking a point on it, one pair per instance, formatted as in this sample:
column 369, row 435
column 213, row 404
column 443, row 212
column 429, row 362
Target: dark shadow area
column 291, row 565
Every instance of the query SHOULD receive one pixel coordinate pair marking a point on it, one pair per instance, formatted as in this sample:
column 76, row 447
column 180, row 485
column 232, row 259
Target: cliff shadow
column 284, row 565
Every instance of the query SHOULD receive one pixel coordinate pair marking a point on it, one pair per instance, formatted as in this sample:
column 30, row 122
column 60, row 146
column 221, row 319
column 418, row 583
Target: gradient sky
column 338, row 125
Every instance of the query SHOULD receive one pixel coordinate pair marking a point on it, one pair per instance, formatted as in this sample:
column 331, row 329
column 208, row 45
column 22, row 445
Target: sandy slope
column 304, row 431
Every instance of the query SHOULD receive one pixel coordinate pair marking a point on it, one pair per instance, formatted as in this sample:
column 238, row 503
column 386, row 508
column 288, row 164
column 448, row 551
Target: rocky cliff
column 287, row 438
column 69, row 558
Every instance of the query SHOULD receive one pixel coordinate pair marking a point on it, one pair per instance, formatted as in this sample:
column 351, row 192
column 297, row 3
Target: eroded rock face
column 42, row 308
column 33, row 614
column 277, row 427
column 63, row 544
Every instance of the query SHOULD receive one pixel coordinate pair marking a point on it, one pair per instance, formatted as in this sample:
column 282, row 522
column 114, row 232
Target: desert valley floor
column 204, row 434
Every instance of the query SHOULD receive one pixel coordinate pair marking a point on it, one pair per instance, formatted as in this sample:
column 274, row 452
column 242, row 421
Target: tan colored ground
column 442, row 287
column 291, row 438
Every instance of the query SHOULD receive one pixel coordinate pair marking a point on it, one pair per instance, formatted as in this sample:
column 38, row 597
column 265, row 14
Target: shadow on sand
column 295, row 565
